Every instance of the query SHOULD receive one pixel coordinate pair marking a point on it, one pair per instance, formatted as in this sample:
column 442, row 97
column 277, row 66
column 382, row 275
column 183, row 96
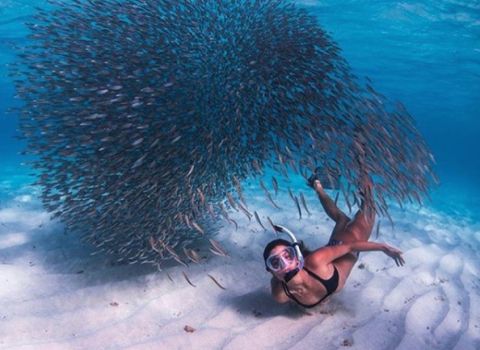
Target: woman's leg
column 362, row 224
column 360, row 228
column 340, row 218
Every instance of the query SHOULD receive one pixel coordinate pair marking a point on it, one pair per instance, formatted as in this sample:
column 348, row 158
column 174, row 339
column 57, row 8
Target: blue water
column 425, row 54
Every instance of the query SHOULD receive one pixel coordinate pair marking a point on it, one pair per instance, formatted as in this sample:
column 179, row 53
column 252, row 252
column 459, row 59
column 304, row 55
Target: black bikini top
column 330, row 285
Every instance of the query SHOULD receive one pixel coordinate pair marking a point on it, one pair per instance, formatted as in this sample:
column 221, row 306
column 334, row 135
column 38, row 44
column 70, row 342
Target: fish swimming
column 134, row 112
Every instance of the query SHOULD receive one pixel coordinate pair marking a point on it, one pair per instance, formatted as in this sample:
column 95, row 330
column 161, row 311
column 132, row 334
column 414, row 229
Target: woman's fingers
column 395, row 254
column 399, row 260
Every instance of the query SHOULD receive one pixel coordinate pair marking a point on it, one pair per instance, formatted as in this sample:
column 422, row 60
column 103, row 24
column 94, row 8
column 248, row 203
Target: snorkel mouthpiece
column 290, row 274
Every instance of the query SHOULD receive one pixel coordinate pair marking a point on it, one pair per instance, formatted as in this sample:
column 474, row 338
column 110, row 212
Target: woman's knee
column 366, row 214
column 362, row 227
column 342, row 218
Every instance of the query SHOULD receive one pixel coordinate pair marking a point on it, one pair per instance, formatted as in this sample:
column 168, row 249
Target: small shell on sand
column 189, row 329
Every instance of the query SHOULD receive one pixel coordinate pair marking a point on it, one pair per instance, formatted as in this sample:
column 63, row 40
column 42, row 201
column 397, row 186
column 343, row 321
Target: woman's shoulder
column 317, row 258
column 318, row 264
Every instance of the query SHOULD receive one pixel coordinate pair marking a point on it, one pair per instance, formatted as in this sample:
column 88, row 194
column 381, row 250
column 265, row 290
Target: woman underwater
column 309, row 280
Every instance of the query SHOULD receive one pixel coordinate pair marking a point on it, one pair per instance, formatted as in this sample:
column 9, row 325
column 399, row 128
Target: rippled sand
column 55, row 295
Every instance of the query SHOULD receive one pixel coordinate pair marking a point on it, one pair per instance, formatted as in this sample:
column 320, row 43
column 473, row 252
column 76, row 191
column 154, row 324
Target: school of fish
column 144, row 117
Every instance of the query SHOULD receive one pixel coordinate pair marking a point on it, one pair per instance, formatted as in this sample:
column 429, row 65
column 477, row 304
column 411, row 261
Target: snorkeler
column 309, row 277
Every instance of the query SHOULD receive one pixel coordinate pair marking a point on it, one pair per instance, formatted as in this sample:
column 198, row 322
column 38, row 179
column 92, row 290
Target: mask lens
column 275, row 263
column 288, row 254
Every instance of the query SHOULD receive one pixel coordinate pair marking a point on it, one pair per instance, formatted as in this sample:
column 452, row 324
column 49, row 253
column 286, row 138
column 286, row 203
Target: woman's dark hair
column 268, row 248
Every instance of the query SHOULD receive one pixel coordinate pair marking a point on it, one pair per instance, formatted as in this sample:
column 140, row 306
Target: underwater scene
column 151, row 149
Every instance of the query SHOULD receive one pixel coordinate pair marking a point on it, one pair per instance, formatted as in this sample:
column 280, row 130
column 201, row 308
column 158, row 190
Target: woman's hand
column 395, row 254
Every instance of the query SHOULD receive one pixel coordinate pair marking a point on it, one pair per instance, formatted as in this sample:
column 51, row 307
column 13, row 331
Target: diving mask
column 277, row 262
column 296, row 253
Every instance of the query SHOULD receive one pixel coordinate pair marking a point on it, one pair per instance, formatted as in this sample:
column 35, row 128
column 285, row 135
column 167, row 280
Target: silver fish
column 217, row 248
column 197, row 227
column 216, row 282
column 275, row 185
column 231, row 201
column 258, row 220
column 192, row 255
column 304, row 203
column 188, row 279
column 298, row 207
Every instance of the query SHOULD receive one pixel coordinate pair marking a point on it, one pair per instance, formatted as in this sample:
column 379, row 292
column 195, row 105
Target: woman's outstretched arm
column 394, row 253
column 331, row 253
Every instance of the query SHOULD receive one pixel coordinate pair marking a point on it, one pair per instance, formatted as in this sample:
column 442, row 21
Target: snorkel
column 290, row 274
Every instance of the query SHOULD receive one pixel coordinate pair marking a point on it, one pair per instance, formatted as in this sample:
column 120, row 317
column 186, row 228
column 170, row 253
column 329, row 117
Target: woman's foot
column 314, row 180
column 327, row 178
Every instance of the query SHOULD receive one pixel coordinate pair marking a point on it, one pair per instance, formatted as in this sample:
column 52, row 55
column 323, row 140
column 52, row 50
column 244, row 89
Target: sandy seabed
column 55, row 295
